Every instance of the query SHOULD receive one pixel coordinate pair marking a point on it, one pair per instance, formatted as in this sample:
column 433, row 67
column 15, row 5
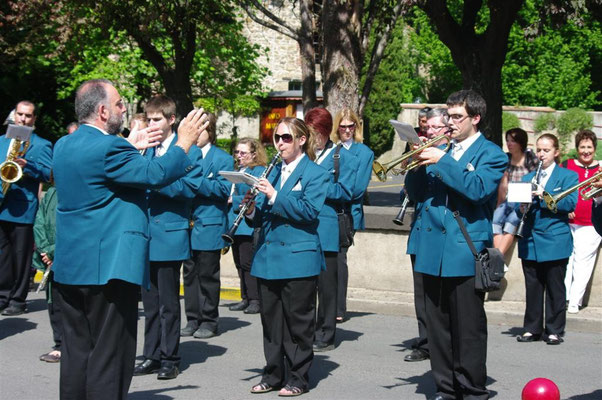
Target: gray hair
column 88, row 97
column 423, row 112
column 438, row 112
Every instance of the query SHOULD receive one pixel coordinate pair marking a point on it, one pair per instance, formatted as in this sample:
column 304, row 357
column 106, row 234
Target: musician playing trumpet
column 289, row 258
column 17, row 213
column 545, row 248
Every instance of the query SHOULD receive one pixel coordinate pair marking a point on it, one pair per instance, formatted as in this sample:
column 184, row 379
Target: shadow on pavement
column 514, row 331
column 10, row 326
column 37, row 305
column 156, row 393
column 344, row 335
column 197, row 351
column 406, row 344
column 597, row 394
column 424, row 383
column 257, row 374
column 321, row 368
column 353, row 314
column 230, row 324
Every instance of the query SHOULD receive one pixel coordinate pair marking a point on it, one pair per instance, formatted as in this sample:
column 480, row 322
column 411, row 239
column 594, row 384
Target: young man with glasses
column 463, row 179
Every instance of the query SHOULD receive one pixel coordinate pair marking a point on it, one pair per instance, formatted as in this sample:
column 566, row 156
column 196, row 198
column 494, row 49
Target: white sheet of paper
column 20, row 132
column 519, row 192
column 405, row 131
column 239, row 177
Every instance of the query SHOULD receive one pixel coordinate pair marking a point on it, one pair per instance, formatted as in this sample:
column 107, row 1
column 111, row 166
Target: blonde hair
column 348, row 114
column 256, row 148
column 298, row 128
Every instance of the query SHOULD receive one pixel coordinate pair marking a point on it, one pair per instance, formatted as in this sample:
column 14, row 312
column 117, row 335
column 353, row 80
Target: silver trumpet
column 229, row 236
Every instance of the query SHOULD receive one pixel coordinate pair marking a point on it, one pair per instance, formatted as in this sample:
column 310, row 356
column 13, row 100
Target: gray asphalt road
column 367, row 363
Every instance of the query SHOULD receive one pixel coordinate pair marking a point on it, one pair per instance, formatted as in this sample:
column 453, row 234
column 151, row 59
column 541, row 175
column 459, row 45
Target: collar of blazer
column 553, row 184
column 295, row 175
column 209, row 159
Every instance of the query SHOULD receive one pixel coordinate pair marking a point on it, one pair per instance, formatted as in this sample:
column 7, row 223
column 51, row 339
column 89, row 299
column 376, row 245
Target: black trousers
column 457, row 335
column 16, row 251
column 242, row 251
column 288, row 320
column 201, row 288
column 54, row 312
column 162, row 312
column 326, row 322
column 420, row 308
column 99, row 340
column 545, row 277
column 343, row 280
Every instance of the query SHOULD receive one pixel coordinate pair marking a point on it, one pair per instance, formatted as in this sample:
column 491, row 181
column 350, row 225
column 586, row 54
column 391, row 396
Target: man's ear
column 476, row 119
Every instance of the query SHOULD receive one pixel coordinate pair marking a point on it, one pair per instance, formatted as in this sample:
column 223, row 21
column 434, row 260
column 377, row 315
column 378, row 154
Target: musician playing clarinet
column 289, row 258
column 546, row 246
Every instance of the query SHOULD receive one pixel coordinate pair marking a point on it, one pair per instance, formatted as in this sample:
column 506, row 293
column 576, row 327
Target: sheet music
column 405, row 131
column 239, row 177
column 20, row 132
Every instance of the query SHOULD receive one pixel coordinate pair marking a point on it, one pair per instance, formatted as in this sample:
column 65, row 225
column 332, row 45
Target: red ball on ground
column 540, row 389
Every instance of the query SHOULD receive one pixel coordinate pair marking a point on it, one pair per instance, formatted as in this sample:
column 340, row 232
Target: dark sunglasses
column 345, row 127
column 286, row 138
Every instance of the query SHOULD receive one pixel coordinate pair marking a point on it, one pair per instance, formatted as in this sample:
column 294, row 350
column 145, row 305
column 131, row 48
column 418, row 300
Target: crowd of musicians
column 127, row 212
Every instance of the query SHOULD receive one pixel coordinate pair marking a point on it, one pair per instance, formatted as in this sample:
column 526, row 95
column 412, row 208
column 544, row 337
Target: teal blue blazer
column 337, row 196
column 547, row 236
column 210, row 206
column 468, row 185
column 288, row 245
column 239, row 193
column 169, row 211
column 102, row 213
column 365, row 158
column 21, row 201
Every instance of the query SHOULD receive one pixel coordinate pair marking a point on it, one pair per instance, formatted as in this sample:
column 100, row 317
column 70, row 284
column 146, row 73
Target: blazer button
column 267, row 242
column 426, row 208
column 444, row 231
column 428, row 229
column 281, row 243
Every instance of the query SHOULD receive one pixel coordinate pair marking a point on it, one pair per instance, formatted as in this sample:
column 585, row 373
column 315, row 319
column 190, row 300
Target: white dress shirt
column 164, row 145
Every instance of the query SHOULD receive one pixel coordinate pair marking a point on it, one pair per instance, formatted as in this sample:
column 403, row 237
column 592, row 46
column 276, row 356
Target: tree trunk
column 177, row 86
column 341, row 57
column 308, row 55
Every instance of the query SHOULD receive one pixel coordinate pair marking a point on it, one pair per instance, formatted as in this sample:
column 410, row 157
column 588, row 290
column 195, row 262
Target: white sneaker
column 573, row 309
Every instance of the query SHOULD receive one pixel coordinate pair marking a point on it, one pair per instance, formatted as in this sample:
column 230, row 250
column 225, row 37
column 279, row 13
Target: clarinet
column 399, row 219
column 521, row 225
column 229, row 236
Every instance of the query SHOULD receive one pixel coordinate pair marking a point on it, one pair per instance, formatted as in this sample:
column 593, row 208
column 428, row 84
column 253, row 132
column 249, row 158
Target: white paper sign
column 519, row 192
column 405, row 131
column 239, row 177
column 23, row 133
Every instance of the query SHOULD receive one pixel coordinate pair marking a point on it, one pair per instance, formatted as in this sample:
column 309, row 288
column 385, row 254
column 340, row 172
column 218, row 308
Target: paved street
column 367, row 363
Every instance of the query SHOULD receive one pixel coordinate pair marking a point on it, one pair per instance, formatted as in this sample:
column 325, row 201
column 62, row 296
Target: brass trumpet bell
column 381, row 170
column 587, row 192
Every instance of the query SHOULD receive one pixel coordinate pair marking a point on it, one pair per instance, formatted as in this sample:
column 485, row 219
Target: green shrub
column 224, row 144
column 509, row 121
column 544, row 122
column 571, row 121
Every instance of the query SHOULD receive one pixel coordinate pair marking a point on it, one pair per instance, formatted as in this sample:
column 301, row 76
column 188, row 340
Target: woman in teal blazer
column 252, row 159
column 340, row 188
column 289, row 258
column 546, row 247
column 348, row 130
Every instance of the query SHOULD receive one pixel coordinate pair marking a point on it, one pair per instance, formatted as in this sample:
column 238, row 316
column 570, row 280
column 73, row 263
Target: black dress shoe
column 253, row 308
column 204, row 333
column 168, row 372
column 146, row 367
column 527, row 338
column 438, row 397
column 554, row 339
column 416, row 355
column 240, row 306
column 12, row 311
column 323, row 346
column 189, row 329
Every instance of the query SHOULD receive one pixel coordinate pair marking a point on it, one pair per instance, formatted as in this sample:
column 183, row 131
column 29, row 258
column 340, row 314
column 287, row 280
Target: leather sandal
column 291, row 391
column 262, row 387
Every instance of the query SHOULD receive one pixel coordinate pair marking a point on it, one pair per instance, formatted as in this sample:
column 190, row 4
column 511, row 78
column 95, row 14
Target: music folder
column 23, row 133
column 405, row 131
column 239, row 177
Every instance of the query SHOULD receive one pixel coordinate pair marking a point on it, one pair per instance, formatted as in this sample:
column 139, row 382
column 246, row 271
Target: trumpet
column 381, row 170
column 10, row 171
column 587, row 192
column 229, row 236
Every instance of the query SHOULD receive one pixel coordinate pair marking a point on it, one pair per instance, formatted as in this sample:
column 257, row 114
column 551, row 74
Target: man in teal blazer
column 102, row 240
column 465, row 180
column 169, row 212
column 210, row 209
column 17, row 214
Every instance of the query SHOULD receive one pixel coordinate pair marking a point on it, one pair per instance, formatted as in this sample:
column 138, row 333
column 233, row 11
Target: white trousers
column 581, row 264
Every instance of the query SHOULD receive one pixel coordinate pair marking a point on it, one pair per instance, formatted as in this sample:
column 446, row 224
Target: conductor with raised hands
column 102, row 241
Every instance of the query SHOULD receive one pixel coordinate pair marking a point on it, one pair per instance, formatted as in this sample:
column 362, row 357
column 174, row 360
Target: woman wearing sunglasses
column 251, row 158
column 347, row 130
column 289, row 258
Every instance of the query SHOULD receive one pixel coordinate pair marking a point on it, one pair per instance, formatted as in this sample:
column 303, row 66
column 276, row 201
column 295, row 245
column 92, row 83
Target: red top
column 583, row 212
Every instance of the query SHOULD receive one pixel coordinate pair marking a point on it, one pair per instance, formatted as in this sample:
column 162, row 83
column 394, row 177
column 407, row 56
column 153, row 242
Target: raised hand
column 191, row 128
column 144, row 138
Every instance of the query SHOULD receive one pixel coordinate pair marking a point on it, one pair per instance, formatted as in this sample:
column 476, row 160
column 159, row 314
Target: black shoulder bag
column 346, row 231
column 489, row 263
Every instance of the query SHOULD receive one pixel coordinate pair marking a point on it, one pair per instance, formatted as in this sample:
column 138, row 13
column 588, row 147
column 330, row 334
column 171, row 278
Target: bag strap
column 465, row 233
column 336, row 156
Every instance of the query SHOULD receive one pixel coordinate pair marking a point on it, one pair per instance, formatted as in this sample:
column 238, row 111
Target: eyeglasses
column 343, row 128
column 241, row 153
column 435, row 128
column 286, row 138
column 457, row 118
